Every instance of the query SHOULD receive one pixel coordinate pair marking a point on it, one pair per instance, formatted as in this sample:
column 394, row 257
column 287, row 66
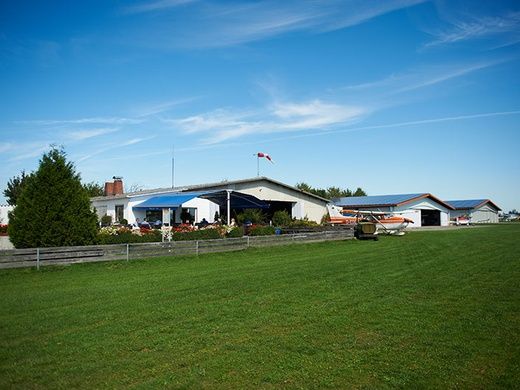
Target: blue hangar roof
column 385, row 200
column 467, row 204
column 173, row 201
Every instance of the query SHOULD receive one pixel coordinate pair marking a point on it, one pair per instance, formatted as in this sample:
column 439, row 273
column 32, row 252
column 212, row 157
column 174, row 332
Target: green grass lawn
column 434, row 309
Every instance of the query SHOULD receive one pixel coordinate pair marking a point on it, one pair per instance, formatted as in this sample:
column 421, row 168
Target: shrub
column 304, row 222
column 281, row 218
column 106, row 220
column 236, row 232
column 124, row 221
column 325, row 219
column 253, row 215
column 53, row 209
column 202, row 234
column 127, row 236
column 262, row 230
column 3, row 230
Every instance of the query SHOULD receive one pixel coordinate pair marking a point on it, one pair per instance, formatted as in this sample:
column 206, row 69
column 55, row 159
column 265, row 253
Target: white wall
column 108, row 207
column 4, row 210
column 484, row 214
column 205, row 209
column 413, row 210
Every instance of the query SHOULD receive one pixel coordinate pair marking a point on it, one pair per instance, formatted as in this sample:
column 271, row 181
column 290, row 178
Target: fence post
column 127, row 252
column 197, row 247
column 247, row 241
column 38, row 259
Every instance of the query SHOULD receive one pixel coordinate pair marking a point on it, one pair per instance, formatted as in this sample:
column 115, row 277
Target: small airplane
column 462, row 220
column 386, row 222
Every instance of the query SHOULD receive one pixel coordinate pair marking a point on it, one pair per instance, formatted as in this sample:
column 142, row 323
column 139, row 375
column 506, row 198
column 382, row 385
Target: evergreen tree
column 54, row 208
column 359, row 192
column 15, row 186
column 94, row 189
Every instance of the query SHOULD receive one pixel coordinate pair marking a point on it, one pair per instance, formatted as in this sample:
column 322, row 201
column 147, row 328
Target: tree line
column 330, row 192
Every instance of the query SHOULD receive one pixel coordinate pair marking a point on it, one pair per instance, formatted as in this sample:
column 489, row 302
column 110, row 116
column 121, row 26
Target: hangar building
column 424, row 209
column 478, row 210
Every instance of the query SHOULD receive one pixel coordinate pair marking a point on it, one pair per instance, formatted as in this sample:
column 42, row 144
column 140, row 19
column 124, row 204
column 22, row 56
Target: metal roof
column 379, row 200
column 199, row 187
column 384, row 200
column 467, row 204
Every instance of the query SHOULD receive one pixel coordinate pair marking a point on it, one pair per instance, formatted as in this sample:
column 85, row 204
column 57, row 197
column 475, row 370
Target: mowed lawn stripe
column 430, row 309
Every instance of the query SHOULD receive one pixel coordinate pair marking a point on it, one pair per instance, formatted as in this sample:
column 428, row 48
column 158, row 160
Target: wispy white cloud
column 81, row 121
column 156, row 5
column 354, row 129
column 474, row 27
column 112, row 147
column 421, row 77
column 134, row 141
column 30, row 150
column 6, row 146
column 80, row 135
column 219, row 24
column 154, row 109
column 220, row 125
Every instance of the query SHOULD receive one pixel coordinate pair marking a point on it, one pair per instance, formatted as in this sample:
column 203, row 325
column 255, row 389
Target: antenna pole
column 257, row 166
column 173, row 166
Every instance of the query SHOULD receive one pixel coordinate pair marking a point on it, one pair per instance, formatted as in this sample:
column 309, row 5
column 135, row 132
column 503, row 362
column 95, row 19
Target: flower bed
column 123, row 235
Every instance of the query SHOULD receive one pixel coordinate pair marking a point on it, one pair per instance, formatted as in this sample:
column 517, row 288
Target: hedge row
column 156, row 236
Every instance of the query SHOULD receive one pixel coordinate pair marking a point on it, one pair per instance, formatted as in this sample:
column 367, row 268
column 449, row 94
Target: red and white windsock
column 260, row 154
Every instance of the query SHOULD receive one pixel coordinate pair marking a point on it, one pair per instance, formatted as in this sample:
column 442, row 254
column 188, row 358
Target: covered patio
column 227, row 200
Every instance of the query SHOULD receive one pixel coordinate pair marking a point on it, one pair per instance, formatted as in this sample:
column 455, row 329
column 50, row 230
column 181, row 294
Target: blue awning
column 172, row 201
column 168, row 201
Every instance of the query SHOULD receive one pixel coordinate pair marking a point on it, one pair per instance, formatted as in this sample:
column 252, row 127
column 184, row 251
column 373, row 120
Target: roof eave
column 446, row 205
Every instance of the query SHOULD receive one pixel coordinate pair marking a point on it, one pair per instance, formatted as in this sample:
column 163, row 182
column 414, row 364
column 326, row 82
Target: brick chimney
column 115, row 187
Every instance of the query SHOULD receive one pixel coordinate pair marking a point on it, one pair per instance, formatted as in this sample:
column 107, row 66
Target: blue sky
column 395, row 96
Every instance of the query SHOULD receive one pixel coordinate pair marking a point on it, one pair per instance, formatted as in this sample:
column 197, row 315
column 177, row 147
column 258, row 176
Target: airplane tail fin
column 333, row 211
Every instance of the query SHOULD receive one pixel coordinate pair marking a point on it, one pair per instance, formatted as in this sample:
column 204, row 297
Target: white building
column 4, row 213
column 203, row 200
column 424, row 209
column 478, row 210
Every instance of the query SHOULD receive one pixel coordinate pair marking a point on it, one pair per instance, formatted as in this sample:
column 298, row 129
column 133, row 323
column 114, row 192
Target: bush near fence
column 123, row 235
column 127, row 237
column 257, row 230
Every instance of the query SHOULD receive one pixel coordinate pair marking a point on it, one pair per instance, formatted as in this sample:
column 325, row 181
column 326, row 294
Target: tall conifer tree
column 54, row 208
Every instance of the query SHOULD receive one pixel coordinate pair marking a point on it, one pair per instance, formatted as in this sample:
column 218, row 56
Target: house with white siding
column 202, row 201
